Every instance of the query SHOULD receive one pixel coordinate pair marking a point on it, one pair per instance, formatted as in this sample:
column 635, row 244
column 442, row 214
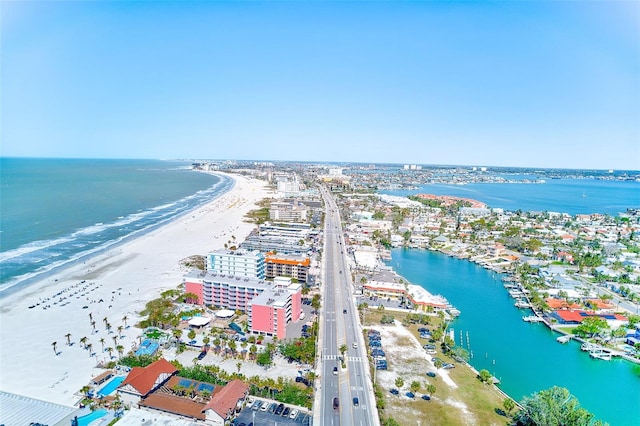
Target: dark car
column 355, row 401
column 335, row 370
column 426, row 397
column 410, row 395
column 431, row 374
column 286, row 412
column 344, row 311
column 336, row 403
column 280, row 409
column 394, row 391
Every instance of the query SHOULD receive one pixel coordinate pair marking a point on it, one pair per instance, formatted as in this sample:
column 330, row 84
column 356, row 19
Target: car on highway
column 355, row 401
column 344, row 311
column 355, row 345
column 335, row 371
column 336, row 403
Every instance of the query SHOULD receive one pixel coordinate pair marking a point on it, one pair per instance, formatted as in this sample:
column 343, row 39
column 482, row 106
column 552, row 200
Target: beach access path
column 124, row 278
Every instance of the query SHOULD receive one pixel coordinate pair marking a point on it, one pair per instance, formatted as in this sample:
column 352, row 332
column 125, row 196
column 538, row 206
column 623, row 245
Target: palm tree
column 93, row 324
column 68, row 336
column 238, row 366
column 102, row 342
column 115, row 340
column 120, row 328
column 124, row 320
column 90, row 316
column 110, row 350
column 89, row 346
column 83, row 341
column 54, row 344
column 120, row 350
column 105, row 320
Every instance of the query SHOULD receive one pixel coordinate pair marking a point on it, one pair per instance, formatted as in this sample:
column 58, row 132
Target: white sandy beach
column 125, row 278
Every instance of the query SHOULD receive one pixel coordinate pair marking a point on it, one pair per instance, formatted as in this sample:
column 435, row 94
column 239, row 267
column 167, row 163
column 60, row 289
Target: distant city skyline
column 497, row 84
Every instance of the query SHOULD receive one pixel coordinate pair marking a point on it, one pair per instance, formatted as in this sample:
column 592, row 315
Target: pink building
column 270, row 305
column 275, row 307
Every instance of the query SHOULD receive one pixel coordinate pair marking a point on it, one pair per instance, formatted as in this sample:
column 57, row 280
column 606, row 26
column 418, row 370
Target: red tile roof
column 143, row 379
column 174, row 404
column 570, row 315
column 225, row 401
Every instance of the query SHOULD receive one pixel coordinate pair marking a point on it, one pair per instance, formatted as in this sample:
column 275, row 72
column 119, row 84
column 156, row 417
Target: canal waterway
column 525, row 357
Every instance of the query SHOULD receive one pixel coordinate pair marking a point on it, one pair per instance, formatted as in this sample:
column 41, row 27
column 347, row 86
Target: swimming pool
column 110, row 387
column 147, row 347
column 85, row 420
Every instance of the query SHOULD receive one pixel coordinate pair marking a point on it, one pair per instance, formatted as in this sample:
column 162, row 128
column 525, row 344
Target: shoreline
column 26, row 283
column 112, row 286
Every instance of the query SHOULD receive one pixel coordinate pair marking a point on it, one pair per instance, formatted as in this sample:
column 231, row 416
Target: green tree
column 399, row 382
column 555, row 406
column 508, row 404
column 191, row 335
column 484, row 376
column 415, row 386
column 430, row 389
column 591, row 326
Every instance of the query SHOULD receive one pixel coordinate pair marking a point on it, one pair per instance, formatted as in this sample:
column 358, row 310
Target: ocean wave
column 33, row 247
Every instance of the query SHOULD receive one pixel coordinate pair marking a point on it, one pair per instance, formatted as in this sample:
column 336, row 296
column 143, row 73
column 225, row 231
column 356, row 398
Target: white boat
column 586, row 346
column 564, row 339
column 600, row 354
column 522, row 304
column 532, row 318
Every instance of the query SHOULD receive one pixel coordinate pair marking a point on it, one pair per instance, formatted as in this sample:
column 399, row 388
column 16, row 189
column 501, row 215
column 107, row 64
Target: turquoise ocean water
column 526, row 357
column 54, row 212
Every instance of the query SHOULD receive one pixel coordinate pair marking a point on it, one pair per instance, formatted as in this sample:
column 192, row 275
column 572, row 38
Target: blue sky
column 533, row 84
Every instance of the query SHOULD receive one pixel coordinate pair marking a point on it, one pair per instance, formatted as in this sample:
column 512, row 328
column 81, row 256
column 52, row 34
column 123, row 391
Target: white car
column 293, row 414
column 265, row 405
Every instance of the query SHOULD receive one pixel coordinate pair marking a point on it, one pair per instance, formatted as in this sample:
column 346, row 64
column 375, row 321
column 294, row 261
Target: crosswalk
column 349, row 358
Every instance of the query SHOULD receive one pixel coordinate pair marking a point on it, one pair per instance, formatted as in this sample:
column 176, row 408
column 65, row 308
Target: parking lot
column 273, row 414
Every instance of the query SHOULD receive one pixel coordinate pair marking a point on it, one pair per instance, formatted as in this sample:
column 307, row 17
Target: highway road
column 339, row 325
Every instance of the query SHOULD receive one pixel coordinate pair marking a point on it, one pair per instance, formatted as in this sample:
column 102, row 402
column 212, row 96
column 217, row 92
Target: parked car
column 426, row 397
column 286, row 411
column 280, row 409
column 265, row 405
column 394, row 392
column 410, row 395
column 256, row 405
column 431, row 374
column 448, row 366
column 293, row 414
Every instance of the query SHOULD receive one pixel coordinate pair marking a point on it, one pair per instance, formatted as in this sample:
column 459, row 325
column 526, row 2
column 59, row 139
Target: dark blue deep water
column 573, row 196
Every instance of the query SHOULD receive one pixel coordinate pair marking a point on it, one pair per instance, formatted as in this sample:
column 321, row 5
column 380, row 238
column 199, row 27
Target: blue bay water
column 573, row 196
column 525, row 357
column 56, row 211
